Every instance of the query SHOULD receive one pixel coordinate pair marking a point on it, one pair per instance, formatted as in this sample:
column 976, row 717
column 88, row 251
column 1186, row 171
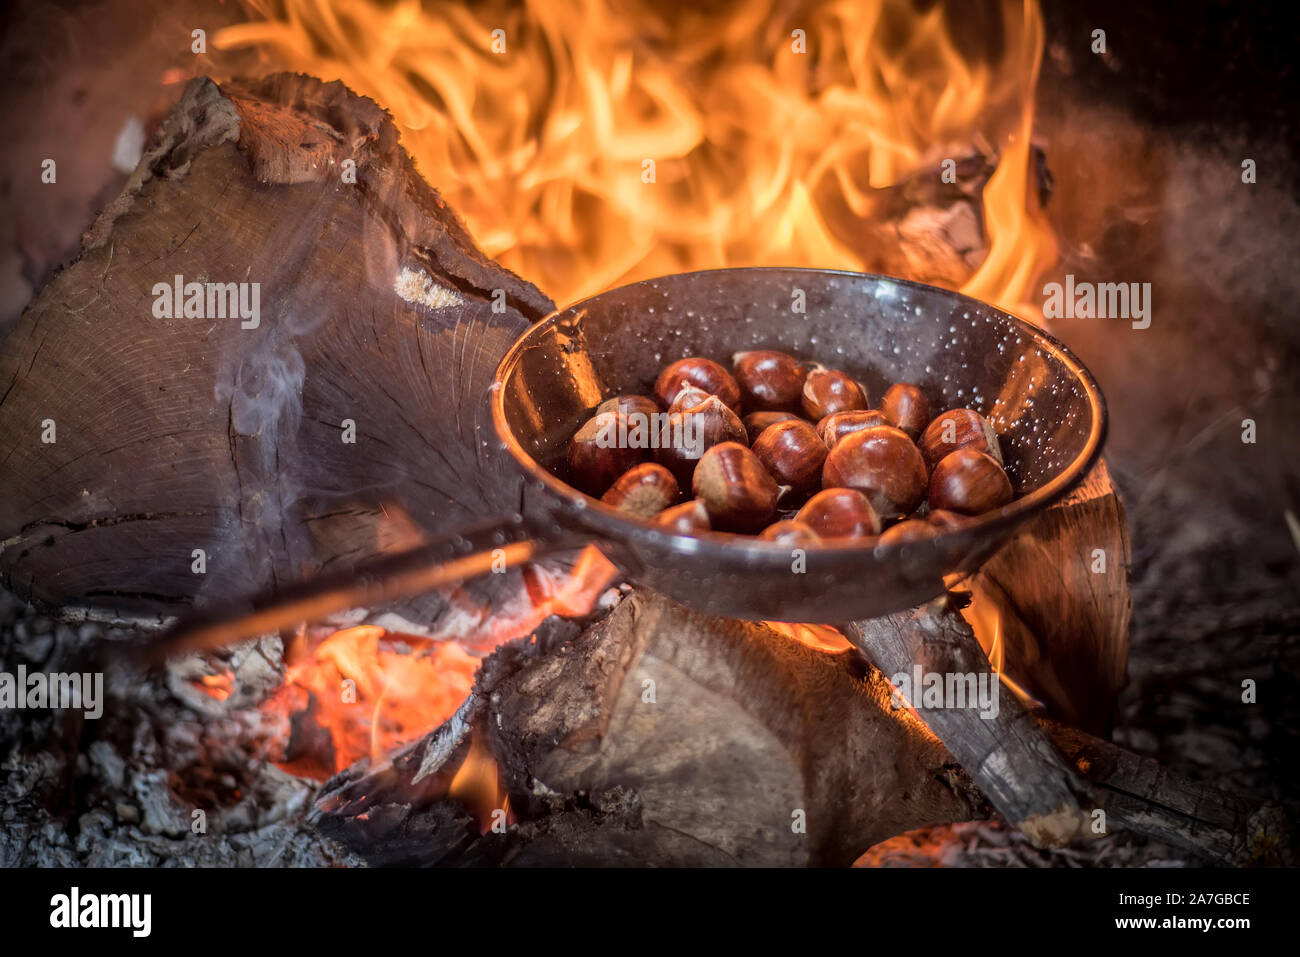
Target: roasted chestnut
column 599, row 453
column 642, row 404
column 906, row 408
column 970, row 482
column 827, row 391
column 958, row 429
column 839, row 513
column 910, row 530
column 687, row 397
column 685, row 519
column 756, row 422
column 839, row 424
column 855, row 469
column 769, row 381
column 688, row 434
column 883, row 464
column 793, row 454
column 703, row 374
column 791, row 532
column 830, row 390
column 735, row 488
column 643, row 490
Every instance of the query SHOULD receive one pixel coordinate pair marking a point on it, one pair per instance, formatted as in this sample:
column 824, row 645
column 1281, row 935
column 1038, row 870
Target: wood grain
column 188, row 433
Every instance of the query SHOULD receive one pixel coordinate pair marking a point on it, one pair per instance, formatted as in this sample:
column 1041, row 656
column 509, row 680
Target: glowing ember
column 218, row 686
column 589, row 143
column 818, row 637
column 363, row 691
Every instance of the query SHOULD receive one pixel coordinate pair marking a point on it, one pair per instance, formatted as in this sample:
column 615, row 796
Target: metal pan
column 1045, row 406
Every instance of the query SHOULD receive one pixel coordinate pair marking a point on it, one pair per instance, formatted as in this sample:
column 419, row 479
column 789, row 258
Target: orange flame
column 477, row 785
column 589, row 143
column 817, row 637
column 363, row 691
column 985, row 620
column 218, row 686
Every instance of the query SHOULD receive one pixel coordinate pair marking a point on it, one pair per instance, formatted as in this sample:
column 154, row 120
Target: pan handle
column 469, row 552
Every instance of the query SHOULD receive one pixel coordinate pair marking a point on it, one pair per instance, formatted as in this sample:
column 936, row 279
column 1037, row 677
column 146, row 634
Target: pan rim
column 617, row 527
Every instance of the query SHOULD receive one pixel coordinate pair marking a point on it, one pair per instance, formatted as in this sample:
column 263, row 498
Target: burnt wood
column 1005, row 751
column 746, row 727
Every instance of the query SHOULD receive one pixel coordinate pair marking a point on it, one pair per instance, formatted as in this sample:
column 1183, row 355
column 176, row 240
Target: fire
column 218, row 686
column 362, row 692
column 477, row 785
column 588, row 143
column 985, row 620
column 817, row 637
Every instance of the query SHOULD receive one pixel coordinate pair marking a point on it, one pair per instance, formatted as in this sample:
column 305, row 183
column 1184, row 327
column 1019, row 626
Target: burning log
column 1002, row 747
column 269, row 359
column 1058, row 596
column 1054, row 618
column 1053, row 614
column 662, row 736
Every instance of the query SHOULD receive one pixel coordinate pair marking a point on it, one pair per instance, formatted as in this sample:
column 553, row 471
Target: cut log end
column 158, row 456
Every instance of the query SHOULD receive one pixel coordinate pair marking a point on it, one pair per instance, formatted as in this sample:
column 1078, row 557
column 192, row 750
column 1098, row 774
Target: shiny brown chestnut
column 791, row 532
column 793, row 454
column 644, row 490
column 883, row 464
column 685, row 519
column 970, row 482
column 756, row 422
column 769, row 381
column 599, row 453
column 626, row 404
column 702, row 373
column 958, row 429
column 735, row 488
column 688, row 434
column 827, row 391
column 839, row 424
column 906, row 408
column 688, row 397
column 840, row 513
column 910, row 530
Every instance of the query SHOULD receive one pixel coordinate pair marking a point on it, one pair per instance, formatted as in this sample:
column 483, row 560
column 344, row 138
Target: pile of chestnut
column 789, row 450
